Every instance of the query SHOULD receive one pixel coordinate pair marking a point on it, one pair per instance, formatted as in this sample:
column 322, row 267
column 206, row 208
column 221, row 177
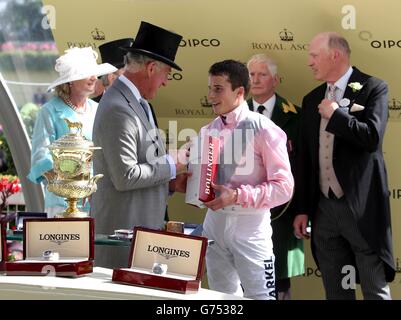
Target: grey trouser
column 337, row 241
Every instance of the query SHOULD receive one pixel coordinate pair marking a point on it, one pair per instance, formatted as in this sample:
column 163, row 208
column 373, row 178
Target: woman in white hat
column 78, row 72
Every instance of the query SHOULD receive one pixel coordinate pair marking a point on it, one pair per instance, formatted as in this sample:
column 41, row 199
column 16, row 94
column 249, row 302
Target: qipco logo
column 174, row 76
column 200, row 43
column 385, row 44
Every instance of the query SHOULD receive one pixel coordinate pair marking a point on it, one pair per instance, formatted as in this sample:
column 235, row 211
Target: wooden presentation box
column 71, row 238
column 184, row 256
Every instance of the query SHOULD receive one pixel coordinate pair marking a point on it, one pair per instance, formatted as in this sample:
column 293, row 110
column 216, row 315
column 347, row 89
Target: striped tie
column 331, row 94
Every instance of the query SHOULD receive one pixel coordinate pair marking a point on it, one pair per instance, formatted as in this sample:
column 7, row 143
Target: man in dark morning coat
column 136, row 167
column 112, row 52
column 288, row 250
column 341, row 176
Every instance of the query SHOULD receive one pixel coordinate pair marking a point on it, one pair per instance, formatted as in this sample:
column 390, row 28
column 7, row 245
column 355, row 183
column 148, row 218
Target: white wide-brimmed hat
column 79, row 63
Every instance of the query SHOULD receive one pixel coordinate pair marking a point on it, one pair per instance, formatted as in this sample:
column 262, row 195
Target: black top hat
column 156, row 43
column 112, row 52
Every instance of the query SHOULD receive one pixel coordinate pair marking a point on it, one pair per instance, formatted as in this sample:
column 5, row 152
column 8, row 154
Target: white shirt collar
column 137, row 96
column 268, row 104
column 131, row 86
column 343, row 81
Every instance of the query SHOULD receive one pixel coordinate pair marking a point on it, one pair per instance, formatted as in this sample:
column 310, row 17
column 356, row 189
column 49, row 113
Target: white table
column 97, row 285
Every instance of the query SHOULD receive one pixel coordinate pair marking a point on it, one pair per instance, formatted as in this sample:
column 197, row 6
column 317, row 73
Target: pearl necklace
column 74, row 107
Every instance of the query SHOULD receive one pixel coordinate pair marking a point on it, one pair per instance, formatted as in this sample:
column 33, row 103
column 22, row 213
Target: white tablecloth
column 97, row 285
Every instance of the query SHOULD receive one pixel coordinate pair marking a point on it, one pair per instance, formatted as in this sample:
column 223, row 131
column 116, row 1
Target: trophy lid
column 73, row 140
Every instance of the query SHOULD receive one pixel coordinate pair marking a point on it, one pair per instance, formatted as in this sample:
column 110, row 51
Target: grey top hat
column 112, row 53
column 157, row 43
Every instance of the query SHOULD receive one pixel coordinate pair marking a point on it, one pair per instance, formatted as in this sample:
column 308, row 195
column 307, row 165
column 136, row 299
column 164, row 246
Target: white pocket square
column 356, row 107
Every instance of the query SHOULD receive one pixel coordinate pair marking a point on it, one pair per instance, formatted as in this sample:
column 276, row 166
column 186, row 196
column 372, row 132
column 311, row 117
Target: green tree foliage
column 21, row 20
column 5, row 152
column 30, row 60
column 28, row 113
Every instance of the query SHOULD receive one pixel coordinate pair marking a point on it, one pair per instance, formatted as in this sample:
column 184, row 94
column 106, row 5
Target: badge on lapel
column 344, row 103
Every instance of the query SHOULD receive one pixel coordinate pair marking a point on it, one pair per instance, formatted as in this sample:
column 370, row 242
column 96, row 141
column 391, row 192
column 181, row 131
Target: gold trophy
column 72, row 157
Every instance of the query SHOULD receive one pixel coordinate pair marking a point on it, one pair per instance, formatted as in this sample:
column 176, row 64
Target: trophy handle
column 94, row 179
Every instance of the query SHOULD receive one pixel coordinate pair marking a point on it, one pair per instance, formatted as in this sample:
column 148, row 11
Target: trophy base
column 78, row 214
column 72, row 210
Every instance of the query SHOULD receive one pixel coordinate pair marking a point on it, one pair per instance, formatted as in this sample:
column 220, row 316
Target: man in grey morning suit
column 137, row 170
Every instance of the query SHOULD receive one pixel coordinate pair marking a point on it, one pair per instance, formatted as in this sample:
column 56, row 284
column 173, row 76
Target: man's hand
column 179, row 184
column 300, row 223
column 180, row 158
column 227, row 197
column 327, row 108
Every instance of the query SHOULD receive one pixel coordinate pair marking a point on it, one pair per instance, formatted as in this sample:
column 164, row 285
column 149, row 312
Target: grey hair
column 105, row 80
column 336, row 41
column 135, row 62
column 262, row 58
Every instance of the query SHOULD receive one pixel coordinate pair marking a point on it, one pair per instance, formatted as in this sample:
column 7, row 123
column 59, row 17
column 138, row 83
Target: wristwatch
column 159, row 268
column 50, row 255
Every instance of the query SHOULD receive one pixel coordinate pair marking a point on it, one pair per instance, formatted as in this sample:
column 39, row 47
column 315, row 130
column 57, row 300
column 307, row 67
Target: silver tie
column 331, row 94
column 145, row 107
